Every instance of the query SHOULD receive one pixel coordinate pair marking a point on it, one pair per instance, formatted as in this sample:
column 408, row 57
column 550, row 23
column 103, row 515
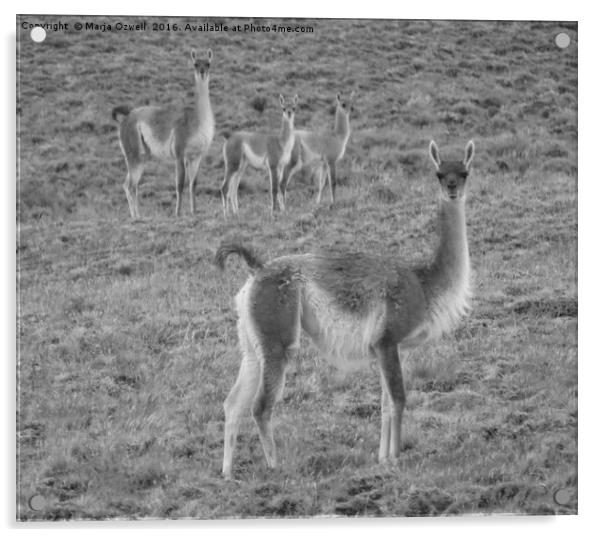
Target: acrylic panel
column 446, row 270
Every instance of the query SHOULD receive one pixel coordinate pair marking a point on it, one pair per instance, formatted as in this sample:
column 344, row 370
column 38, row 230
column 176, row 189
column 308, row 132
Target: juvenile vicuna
column 324, row 148
column 262, row 151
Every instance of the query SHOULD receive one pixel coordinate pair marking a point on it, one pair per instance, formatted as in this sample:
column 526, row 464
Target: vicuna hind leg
column 392, row 400
column 131, row 183
column 234, row 164
column 270, row 387
column 277, row 315
column 239, row 399
column 235, row 184
column 229, row 174
column 132, row 147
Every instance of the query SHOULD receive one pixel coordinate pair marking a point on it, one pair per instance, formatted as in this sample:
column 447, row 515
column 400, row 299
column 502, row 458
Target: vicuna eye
column 440, row 175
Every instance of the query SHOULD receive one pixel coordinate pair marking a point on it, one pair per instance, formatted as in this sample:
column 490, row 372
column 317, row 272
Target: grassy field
column 127, row 332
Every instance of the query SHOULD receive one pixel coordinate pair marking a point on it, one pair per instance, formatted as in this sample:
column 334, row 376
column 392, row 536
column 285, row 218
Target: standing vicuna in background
column 354, row 306
column 326, row 147
column 182, row 135
column 270, row 151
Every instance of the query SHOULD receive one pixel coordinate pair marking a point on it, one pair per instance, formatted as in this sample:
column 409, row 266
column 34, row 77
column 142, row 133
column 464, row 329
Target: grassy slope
column 127, row 332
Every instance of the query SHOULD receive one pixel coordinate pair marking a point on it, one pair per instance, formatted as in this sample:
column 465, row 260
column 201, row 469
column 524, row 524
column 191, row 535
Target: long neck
column 286, row 131
column 341, row 124
column 449, row 271
column 202, row 102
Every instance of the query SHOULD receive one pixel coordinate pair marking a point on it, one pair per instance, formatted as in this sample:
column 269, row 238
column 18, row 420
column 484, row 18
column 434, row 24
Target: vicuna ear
column 295, row 100
column 339, row 98
column 468, row 154
column 193, row 55
column 209, row 54
column 281, row 100
column 352, row 95
column 434, row 153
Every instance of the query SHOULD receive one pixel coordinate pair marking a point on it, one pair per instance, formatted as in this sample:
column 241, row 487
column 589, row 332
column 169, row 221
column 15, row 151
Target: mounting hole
column 563, row 496
column 37, row 502
column 38, row 34
column 563, row 40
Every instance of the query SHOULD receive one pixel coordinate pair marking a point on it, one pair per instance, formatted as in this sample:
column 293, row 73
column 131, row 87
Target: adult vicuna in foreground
column 353, row 306
column 323, row 147
column 181, row 134
column 269, row 151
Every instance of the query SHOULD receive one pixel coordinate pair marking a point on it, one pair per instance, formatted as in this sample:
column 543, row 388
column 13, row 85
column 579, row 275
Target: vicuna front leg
column 392, row 400
column 289, row 170
column 279, row 193
column 332, row 178
column 180, row 179
column 274, row 180
column 322, row 173
column 192, row 170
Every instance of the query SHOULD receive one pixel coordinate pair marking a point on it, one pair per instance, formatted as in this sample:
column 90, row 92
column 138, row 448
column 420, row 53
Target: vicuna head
column 201, row 65
column 345, row 106
column 288, row 112
column 452, row 174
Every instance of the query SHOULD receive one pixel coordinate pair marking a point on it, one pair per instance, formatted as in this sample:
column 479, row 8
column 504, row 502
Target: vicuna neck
column 341, row 124
column 203, row 105
column 449, row 271
column 287, row 130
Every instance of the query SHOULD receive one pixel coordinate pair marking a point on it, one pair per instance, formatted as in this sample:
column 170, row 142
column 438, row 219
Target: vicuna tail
column 248, row 255
column 121, row 110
